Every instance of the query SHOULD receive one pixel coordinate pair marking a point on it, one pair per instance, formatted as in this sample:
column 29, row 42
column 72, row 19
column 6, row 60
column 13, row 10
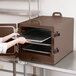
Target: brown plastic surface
column 64, row 42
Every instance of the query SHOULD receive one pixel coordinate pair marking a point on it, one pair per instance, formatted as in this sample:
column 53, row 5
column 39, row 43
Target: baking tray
column 37, row 48
column 36, row 34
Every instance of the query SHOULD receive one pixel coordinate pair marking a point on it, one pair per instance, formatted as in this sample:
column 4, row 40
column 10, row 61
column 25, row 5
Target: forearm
column 7, row 37
column 11, row 43
column 20, row 40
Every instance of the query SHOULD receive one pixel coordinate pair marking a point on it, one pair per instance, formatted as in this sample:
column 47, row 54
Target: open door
column 6, row 29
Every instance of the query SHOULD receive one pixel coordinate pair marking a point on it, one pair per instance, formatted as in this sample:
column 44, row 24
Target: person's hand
column 14, row 34
column 22, row 40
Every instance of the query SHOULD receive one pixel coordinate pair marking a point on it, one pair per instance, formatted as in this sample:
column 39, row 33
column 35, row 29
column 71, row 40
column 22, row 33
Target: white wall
column 67, row 7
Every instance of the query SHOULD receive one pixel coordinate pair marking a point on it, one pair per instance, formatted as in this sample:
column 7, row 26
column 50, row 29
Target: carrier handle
column 57, row 14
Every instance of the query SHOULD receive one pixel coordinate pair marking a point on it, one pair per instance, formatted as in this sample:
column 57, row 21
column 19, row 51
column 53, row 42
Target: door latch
column 56, row 34
column 56, row 51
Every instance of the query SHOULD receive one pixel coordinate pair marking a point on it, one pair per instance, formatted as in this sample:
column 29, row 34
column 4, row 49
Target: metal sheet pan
column 36, row 35
column 37, row 48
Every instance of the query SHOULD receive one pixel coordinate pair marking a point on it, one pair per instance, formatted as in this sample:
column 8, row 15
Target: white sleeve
column 0, row 40
column 3, row 47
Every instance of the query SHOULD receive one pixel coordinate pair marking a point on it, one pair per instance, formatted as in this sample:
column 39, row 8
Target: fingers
column 22, row 40
column 16, row 34
column 27, row 41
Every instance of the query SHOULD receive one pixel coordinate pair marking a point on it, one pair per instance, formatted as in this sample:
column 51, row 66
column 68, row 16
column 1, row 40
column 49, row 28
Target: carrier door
column 6, row 29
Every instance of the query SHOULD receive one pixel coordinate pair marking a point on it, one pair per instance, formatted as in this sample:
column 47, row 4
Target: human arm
column 9, row 36
column 5, row 46
column 20, row 40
